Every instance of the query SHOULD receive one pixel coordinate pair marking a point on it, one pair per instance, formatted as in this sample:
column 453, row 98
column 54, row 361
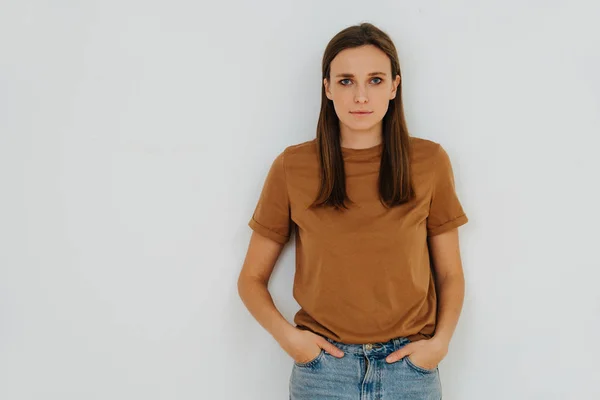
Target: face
column 361, row 81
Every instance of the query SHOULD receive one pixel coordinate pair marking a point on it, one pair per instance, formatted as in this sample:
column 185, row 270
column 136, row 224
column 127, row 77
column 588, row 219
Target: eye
column 343, row 84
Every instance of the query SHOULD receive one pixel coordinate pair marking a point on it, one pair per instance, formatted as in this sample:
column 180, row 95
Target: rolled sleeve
column 445, row 211
column 271, row 217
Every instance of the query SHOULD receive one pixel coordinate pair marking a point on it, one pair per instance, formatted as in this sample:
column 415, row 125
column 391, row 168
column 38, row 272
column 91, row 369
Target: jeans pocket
column 419, row 369
column 311, row 362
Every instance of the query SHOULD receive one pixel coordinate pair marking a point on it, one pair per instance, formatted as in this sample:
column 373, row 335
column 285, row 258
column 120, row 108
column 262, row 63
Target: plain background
column 135, row 139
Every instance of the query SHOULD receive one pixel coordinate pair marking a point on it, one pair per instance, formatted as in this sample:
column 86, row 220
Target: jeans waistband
column 381, row 349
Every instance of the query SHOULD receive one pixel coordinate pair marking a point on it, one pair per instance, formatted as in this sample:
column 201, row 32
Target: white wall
column 134, row 140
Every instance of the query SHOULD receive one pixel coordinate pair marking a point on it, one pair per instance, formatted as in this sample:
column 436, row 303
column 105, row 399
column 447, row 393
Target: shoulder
column 299, row 153
column 425, row 150
column 422, row 150
column 308, row 146
column 288, row 153
column 418, row 145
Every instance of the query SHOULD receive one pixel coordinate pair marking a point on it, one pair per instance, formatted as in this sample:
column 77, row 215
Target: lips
column 361, row 112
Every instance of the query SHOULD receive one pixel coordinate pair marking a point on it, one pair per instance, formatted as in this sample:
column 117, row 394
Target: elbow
column 245, row 283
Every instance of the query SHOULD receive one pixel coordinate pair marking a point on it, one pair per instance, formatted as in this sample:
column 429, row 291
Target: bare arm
column 301, row 345
column 450, row 283
column 253, row 285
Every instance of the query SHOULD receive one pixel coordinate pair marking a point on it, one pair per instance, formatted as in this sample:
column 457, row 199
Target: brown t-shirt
column 363, row 275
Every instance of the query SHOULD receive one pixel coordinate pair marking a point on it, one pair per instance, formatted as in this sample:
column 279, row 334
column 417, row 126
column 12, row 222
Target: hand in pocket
column 304, row 346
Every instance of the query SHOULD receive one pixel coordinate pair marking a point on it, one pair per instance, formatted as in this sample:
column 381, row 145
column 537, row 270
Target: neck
column 360, row 139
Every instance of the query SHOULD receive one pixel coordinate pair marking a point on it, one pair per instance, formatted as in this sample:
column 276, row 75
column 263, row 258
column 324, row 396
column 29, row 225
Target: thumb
column 331, row 349
column 399, row 354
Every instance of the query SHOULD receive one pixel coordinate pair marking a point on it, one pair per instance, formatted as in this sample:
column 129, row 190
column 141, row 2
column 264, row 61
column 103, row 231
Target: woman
column 375, row 215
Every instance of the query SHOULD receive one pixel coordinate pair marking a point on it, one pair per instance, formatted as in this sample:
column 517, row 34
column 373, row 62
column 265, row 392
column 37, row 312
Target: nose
column 361, row 94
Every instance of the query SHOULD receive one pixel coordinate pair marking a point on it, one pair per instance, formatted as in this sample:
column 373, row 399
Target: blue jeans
column 363, row 374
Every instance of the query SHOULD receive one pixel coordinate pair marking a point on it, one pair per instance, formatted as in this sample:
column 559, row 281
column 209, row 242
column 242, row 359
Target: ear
column 395, row 87
column 327, row 92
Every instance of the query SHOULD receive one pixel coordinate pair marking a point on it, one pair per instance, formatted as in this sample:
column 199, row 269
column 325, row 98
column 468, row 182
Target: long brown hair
column 395, row 185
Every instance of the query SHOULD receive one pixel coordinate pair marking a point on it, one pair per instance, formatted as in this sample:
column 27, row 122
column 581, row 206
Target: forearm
column 259, row 302
column 450, row 295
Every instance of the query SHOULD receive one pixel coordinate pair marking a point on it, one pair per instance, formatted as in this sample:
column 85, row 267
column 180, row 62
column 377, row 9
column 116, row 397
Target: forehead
column 361, row 60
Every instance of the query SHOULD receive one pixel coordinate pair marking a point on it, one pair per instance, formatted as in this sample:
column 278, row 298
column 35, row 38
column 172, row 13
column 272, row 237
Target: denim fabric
column 363, row 374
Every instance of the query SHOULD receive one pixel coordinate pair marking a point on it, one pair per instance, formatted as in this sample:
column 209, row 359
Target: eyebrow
column 347, row 75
